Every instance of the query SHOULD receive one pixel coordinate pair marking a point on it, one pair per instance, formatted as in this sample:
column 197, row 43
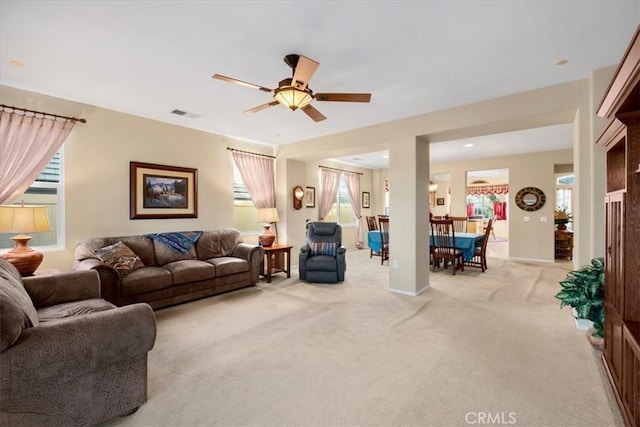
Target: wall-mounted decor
column 530, row 199
column 310, row 197
column 298, row 195
column 366, row 200
column 440, row 201
column 159, row 191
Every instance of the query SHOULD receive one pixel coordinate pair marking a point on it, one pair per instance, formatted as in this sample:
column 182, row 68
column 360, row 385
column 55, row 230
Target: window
column 47, row 191
column 564, row 188
column 342, row 211
column 484, row 204
column 244, row 212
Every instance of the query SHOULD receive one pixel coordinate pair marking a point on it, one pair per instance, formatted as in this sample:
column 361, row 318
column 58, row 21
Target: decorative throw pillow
column 318, row 248
column 120, row 257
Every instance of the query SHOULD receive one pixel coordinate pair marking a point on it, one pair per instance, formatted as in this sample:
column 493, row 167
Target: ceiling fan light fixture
column 292, row 97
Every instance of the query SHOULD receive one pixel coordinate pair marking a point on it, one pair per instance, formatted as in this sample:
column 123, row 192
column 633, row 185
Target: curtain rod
column 249, row 152
column 2, row 106
column 341, row 170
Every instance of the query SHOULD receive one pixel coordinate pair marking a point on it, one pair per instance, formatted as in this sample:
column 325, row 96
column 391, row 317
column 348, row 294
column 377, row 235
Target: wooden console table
column 269, row 265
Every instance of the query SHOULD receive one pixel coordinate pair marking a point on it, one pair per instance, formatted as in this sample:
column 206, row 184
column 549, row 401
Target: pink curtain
column 353, row 190
column 257, row 173
column 27, row 144
column 470, row 209
column 329, row 182
column 500, row 211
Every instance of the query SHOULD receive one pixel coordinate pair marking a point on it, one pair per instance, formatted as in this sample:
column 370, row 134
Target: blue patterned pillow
column 317, row 248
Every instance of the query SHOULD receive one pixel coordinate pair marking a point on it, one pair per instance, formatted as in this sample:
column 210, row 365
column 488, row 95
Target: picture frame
column 366, row 200
column 310, row 197
column 161, row 191
column 440, row 201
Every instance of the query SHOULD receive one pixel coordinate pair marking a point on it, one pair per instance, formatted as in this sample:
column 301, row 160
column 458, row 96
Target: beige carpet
column 474, row 349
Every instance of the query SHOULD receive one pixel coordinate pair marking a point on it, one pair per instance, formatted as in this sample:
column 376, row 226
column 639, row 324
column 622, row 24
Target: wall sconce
column 433, row 187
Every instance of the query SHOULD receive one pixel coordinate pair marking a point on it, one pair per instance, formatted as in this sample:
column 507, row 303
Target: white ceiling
column 149, row 57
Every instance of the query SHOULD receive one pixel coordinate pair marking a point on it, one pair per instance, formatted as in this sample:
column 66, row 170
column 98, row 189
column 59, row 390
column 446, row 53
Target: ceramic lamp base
column 25, row 259
column 266, row 238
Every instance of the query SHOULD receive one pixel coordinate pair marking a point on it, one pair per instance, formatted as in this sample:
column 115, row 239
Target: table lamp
column 23, row 219
column 268, row 216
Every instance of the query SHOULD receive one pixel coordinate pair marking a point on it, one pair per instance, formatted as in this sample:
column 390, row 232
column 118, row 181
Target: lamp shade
column 23, row 219
column 268, row 215
column 292, row 97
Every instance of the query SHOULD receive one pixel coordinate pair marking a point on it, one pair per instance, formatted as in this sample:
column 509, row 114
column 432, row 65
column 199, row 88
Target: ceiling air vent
column 185, row 114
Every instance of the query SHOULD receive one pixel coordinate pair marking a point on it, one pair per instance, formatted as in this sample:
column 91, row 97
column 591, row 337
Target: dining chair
column 479, row 259
column 373, row 226
column 459, row 223
column 488, row 225
column 443, row 236
column 384, row 239
column 371, row 223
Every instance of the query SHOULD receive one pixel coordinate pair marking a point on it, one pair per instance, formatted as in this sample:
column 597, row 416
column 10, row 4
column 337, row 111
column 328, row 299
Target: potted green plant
column 583, row 290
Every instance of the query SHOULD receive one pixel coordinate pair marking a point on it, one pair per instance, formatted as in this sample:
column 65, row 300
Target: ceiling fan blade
column 303, row 72
column 262, row 107
column 241, row 83
column 316, row 115
column 343, row 97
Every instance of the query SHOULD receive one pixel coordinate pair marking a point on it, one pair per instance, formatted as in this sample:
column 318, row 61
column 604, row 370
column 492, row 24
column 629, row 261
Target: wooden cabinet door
column 614, row 258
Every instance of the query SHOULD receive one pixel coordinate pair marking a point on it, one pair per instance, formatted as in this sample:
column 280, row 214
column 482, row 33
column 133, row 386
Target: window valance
column 488, row 189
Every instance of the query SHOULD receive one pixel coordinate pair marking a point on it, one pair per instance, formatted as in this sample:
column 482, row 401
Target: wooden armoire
column 621, row 139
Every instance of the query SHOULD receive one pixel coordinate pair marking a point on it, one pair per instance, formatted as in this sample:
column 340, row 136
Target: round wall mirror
column 298, row 195
column 530, row 199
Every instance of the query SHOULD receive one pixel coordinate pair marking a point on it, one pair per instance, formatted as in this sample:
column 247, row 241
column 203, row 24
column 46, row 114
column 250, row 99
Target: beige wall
column 98, row 155
column 96, row 171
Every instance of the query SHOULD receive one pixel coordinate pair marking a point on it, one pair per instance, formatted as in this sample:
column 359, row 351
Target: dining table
column 466, row 242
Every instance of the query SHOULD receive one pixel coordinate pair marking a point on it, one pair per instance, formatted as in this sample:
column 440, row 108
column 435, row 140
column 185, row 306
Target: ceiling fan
column 294, row 92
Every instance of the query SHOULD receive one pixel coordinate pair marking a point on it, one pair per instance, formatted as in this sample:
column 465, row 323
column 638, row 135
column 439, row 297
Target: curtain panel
column 488, row 189
column 27, row 144
column 353, row 190
column 258, row 175
column 329, row 183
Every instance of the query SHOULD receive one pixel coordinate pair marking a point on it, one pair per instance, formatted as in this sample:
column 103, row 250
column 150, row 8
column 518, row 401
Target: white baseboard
column 411, row 294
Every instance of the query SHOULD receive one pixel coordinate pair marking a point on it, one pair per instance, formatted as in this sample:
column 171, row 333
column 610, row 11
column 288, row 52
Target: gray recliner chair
column 322, row 259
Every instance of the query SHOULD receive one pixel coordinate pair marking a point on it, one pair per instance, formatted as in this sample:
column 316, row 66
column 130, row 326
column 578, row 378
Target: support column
column 409, row 216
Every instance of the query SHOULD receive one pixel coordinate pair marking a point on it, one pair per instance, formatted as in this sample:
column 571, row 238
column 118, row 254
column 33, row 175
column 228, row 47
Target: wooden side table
column 270, row 253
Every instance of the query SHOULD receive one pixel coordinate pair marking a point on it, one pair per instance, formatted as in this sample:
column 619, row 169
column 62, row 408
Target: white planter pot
column 581, row 324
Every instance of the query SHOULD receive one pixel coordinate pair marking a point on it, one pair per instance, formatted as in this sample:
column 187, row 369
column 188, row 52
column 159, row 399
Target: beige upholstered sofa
column 68, row 357
column 163, row 272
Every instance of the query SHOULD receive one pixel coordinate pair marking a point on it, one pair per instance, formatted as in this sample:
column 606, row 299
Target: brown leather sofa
column 68, row 357
column 219, row 261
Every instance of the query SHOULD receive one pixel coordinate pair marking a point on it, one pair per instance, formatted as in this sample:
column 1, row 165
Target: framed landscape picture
column 440, row 201
column 159, row 191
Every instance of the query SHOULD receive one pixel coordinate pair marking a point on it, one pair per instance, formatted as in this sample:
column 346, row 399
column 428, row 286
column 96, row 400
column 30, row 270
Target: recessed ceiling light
column 468, row 145
column 561, row 62
column 16, row 64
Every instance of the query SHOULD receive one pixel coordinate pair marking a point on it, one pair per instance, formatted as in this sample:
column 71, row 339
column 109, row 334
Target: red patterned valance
column 488, row 189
